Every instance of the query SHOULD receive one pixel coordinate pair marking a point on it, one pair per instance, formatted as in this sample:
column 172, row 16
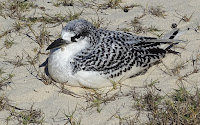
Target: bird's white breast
column 59, row 62
column 60, row 69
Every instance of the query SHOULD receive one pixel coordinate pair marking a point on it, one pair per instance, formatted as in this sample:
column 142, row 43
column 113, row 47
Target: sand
column 26, row 89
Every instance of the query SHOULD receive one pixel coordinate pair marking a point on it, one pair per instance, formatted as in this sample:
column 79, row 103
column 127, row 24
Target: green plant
column 98, row 97
column 97, row 22
column 26, row 117
column 157, row 11
column 8, row 43
column 63, row 3
column 17, row 62
column 3, row 102
column 1, row 71
column 182, row 107
column 73, row 15
column 113, row 4
column 71, row 119
column 185, row 18
column 179, row 107
column 15, row 9
column 6, row 80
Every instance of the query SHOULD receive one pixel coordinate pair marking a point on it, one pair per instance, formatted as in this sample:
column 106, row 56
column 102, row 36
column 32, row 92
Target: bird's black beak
column 56, row 44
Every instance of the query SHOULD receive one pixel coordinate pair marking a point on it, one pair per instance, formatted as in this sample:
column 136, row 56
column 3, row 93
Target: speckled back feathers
column 116, row 52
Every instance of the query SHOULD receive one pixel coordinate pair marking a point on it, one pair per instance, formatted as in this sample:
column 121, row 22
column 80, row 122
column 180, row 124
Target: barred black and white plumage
column 86, row 56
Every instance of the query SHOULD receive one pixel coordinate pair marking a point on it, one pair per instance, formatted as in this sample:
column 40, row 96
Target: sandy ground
column 26, row 90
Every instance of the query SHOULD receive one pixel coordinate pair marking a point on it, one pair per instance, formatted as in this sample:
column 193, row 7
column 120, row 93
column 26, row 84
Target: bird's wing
column 168, row 38
column 118, row 52
column 146, row 42
column 114, row 58
column 127, row 39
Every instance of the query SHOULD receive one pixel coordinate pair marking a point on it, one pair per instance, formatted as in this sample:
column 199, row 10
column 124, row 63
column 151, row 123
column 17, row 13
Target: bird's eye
column 77, row 36
column 73, row 39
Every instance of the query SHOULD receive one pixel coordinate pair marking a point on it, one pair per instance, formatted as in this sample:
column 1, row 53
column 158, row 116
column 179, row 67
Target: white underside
column 95, row 80
column 59, row 60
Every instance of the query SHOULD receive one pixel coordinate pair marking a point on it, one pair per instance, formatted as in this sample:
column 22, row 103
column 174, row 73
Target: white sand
column 26, row 90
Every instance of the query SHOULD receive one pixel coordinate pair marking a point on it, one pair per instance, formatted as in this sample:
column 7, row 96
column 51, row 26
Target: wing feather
column 118, row 52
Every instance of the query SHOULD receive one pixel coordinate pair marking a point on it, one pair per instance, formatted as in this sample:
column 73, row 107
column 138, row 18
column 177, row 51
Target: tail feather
column 170, row 39
column 175, row 33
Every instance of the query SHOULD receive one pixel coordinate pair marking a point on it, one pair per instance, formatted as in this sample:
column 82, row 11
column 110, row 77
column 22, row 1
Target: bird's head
column 74, row 31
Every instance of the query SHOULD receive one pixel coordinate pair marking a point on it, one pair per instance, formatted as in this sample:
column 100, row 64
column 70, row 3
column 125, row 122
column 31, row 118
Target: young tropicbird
column 90, row 57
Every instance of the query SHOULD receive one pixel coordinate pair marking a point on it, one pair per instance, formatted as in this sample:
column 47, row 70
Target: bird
column 86, row 56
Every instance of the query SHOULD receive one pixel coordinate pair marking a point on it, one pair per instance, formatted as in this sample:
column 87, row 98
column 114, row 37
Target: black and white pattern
column 116, row 52
column 112, row 54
